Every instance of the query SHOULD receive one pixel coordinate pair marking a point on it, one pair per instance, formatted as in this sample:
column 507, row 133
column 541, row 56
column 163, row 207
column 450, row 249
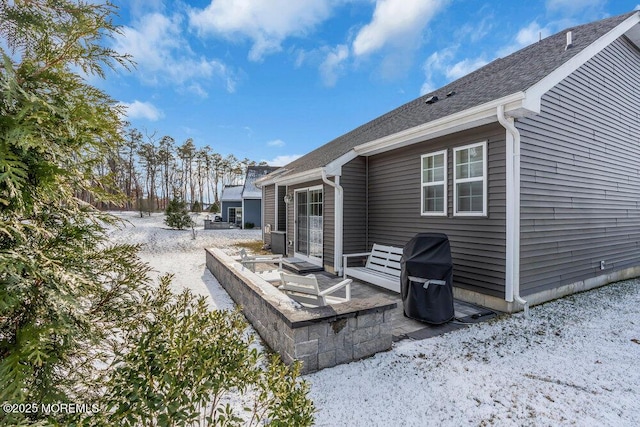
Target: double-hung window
column 470, row 180
column 434, row 183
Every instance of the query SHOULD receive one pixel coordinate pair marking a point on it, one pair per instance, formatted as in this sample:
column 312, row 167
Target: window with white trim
column 434, row 183
column 470, row 180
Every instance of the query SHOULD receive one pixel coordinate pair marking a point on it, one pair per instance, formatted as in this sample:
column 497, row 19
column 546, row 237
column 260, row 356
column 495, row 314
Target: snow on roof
column 253, row 173
column 231, row 193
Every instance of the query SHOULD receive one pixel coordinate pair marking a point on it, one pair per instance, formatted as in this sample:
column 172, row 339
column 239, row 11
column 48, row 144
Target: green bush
column 249, row 225
column 176, row 215
column 214, row 208
column 181, row 364
column 196, row 207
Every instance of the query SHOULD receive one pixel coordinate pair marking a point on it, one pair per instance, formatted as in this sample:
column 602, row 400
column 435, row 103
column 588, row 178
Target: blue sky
column 270, row 80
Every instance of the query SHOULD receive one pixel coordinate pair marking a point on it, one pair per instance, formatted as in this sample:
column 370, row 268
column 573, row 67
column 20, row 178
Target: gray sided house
column 231, row 204
column 531, row 166
column 242, row 204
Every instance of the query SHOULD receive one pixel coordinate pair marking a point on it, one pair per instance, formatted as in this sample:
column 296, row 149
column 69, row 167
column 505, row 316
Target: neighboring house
column 242, row 204
column 252, row 195
column 531, row 166
column 231, row 204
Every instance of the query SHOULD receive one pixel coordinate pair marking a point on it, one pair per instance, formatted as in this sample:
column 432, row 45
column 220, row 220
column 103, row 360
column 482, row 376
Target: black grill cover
column 428, row 257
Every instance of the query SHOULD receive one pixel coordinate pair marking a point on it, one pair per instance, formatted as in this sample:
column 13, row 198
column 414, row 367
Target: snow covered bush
column 179, row 365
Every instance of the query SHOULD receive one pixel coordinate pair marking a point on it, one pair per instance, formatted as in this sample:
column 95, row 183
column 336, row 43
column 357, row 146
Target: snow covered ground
column 178, row 253
column 575, row 361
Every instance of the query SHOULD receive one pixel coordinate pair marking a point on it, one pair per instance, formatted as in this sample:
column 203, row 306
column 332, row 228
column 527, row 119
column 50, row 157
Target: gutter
column 512, row 285
column 292, row 179
column 462, row 120
column 338, row 232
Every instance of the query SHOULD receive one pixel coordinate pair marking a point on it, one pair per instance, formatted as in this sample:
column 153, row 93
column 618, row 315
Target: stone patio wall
column 319, row 337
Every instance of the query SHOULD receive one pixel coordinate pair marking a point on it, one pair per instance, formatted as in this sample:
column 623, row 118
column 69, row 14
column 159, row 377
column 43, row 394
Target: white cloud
column 266, row 23
column 163, row 55
column 142, row 7
column 637, row 7
column 283, row 160
column 572, row 7
column 276, row 143
column 442, row 66
column 435, row 64
column 476, row 31
column 142, row 110
column 333, row 64
column 532, row 33
column 394, row 22
column 197, row 89
column 464, row 67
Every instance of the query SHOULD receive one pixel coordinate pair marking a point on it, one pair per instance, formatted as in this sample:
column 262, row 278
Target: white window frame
column 443, row 183
column 312, row 259
column 483, row 178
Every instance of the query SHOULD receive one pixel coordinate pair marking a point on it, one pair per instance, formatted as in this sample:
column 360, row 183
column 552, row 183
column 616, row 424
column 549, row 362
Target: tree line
column 151, row 171
column 81, row 323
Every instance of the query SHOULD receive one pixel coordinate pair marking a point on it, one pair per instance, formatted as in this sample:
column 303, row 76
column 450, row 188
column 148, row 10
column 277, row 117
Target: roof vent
column 431, row 99
column 453, row 92
column 569, row 40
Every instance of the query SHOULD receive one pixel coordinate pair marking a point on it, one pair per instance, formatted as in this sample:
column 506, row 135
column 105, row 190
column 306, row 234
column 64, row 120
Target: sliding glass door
column 309, row 223
column 235, row 215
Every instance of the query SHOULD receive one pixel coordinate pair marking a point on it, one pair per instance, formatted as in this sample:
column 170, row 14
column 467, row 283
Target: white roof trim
column 295, row 178
column 472, row 117
column 534, row 94
column 335, row 167
column 269, row 178
column 332, row 169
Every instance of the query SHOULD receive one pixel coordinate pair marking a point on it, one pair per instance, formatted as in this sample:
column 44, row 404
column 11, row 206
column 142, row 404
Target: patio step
column 299, row 266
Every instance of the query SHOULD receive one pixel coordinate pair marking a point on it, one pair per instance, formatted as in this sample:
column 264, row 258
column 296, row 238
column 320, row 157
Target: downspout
column 512, row 285
column 338, row 232
column 242, row 224
column 366, row 204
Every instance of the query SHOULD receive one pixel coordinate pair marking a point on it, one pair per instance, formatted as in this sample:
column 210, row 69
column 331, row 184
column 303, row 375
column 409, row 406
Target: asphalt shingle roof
column 504, row 76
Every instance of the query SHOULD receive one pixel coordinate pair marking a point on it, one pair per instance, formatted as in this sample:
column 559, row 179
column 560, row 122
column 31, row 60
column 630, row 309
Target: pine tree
column 176, row 215
column 70, row 301
column 65, row 290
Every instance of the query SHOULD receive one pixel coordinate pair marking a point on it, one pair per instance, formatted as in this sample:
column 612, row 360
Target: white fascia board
column 269, row 178
column 534, row 94
column 334, row 168
column 467, row 119
column 296, row 178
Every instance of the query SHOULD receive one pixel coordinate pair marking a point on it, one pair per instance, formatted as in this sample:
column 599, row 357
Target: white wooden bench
column 382, row 267
column 305, row 290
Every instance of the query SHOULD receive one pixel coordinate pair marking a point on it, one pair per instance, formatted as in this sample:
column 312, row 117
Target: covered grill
column 427, row 278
